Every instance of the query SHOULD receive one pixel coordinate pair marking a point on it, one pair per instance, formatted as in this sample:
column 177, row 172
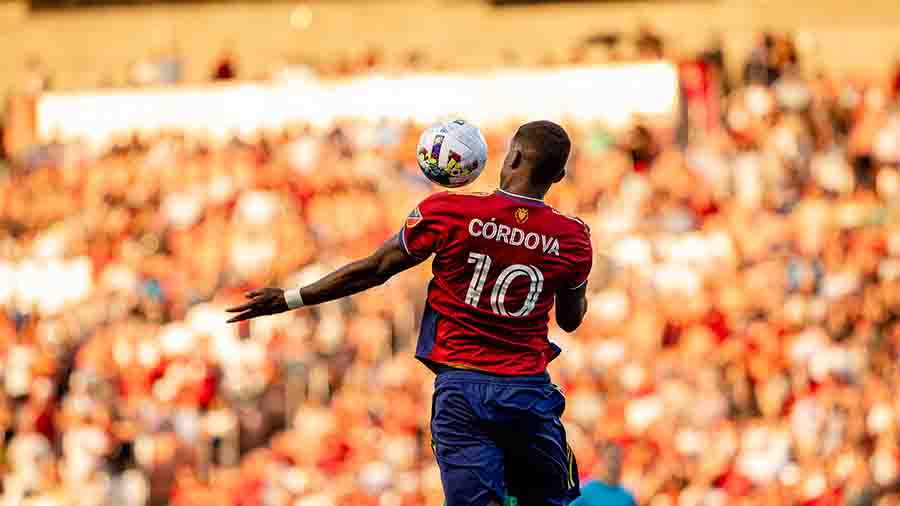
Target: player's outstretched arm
column 571, row 305
column 355, row 277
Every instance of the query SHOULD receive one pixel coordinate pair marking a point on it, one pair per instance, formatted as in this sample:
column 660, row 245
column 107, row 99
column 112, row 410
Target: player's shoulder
column 571, row 223
column 454, row 195
column 448, row 207
column 452, row 199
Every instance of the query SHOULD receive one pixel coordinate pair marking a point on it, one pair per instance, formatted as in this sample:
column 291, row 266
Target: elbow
column 569, row 325
column 570, row 320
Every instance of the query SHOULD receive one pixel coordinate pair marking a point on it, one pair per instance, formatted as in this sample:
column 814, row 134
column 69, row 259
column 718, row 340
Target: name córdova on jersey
column 513, row 236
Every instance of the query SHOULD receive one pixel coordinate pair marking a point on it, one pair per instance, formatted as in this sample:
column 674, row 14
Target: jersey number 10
column 498, row 294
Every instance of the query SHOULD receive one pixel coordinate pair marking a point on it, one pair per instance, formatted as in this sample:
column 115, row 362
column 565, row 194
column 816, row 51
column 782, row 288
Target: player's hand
column 265, row 301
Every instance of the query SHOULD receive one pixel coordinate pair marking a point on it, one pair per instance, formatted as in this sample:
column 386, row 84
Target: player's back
column 499, row 260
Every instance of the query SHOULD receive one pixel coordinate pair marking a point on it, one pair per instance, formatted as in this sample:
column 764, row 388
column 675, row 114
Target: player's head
column 537, row 156
column 610, row 462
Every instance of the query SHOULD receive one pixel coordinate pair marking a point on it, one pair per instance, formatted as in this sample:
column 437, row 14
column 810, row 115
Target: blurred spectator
column 649, row 43
column 144, row 72
column 759, row 67
column 606, row 491
column 771, row 55
column 4, row 156
column 713, row 56
column 895, row 81
column 36, row 77
column 21, row 109
column 224, row 68
column 170, row 65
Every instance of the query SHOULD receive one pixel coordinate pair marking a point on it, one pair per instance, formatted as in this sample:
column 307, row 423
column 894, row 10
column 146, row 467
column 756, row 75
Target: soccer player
column 501, row 260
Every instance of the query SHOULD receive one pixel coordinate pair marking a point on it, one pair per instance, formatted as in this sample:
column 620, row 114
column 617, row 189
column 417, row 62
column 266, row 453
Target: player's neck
column 525, row 191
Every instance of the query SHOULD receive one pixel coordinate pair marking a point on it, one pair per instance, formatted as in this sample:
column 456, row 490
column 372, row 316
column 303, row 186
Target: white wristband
column 293, row 298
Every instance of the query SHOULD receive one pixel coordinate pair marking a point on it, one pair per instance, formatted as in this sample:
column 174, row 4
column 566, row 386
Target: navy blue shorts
column 499, row 436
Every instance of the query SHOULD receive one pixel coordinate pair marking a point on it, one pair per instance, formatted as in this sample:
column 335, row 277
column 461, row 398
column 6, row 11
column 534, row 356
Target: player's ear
column 515, row 158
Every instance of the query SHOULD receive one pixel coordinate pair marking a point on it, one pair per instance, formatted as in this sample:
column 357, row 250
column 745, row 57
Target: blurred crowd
column 165, row 65
column 741, row 345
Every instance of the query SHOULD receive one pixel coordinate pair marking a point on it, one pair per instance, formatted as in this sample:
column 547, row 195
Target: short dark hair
column 546, row 146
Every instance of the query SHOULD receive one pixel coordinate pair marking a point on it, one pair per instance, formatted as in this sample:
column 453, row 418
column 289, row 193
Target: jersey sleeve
column 426, row 229
column 582, row 258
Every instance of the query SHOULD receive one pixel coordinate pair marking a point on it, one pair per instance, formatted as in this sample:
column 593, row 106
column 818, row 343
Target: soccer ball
column 452, row 153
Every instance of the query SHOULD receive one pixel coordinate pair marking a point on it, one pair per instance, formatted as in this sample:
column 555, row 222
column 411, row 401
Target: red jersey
column 499, row 260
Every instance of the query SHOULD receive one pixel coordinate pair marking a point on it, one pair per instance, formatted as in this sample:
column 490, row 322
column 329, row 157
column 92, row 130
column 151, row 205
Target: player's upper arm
column 390, row 259
column 571, row 299
column 571, row 306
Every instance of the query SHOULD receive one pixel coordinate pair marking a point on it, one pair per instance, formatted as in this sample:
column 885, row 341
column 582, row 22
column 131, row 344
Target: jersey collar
column 519, row 198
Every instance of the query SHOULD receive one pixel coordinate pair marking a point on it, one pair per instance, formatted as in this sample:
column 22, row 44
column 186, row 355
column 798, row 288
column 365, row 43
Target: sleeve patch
column 414, row 218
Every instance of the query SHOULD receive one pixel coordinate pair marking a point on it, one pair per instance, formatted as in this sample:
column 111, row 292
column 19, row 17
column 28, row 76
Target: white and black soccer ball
column 452, row 153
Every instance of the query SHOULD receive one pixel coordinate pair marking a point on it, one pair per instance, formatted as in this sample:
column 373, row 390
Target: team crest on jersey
column 414, row 218
column 521, row 215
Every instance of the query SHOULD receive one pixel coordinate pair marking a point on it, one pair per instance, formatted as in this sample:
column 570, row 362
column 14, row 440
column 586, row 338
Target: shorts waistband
column 450, row 374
